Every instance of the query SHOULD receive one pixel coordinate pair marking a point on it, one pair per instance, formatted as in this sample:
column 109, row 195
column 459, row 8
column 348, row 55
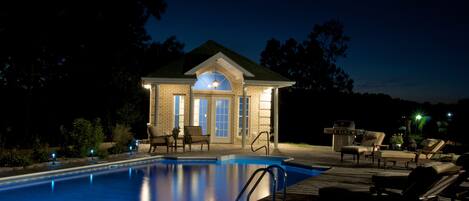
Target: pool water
column 162, row 180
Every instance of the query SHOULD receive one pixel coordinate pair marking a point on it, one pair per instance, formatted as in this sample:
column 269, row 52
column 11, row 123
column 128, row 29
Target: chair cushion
column 371, row 138
column 200, row 138
column 154, row 132
column 394, row 180
column 355, row 149
column 193, row 130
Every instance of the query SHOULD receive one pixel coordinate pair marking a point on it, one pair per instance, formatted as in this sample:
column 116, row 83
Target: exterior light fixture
column 147, row 86
column 418, row 117
column 92, row 153
column 54, row 158
column 215, row 84
column 449, row 114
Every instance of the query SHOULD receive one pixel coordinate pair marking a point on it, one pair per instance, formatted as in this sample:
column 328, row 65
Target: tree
column 70, row 59
column 312, row 63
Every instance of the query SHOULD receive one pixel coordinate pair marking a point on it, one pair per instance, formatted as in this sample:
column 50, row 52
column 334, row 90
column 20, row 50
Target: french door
column 213, row 115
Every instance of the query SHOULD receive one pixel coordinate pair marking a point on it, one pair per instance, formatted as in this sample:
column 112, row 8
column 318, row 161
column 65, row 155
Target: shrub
column 396, row 139
column 40, row 153
column 122, row 136
column 102, row 153
column 86, row 135
column 14, row 159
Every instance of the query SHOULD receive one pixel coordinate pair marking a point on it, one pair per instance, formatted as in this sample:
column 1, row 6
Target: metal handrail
column 274, row 181
column 267, row 148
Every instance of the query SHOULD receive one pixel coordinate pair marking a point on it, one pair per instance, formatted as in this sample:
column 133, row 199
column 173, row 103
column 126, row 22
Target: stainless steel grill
column 343, row 133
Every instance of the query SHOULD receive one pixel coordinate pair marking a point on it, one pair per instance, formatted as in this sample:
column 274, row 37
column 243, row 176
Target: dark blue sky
column 411, row 50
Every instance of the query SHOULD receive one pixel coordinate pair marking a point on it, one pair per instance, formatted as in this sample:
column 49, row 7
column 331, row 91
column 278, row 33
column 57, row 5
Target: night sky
column 411, row 50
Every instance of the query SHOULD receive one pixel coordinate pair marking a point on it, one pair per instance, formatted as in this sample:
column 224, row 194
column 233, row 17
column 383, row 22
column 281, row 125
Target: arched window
column 212, row 81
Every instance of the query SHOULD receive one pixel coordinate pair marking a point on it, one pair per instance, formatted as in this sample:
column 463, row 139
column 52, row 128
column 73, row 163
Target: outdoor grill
column 343, row 133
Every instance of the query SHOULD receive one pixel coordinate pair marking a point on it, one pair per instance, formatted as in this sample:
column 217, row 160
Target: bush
column 86, row 135
column 40, row 153
column 102, row 153
column 14, row 159
column 122, row 136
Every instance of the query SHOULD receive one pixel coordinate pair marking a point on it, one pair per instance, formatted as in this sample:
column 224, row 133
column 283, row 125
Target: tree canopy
column 61, row 60
column 313, row 62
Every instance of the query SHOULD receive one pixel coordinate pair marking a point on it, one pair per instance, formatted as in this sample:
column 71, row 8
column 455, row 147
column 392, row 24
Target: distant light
column 53, row 155
column 418, row 117
column 449, row 114
column 130, row 148
column 92, row 151
column 147, row 86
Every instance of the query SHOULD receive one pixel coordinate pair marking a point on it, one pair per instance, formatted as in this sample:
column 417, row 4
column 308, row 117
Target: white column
column 244, row 119
column 191, row 106
column 276, row 118
column 155, row 109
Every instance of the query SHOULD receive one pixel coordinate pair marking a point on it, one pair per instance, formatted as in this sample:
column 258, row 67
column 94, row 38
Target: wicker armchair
column 157, row 139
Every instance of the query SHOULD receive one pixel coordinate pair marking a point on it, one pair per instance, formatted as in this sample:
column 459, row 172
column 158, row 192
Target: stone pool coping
column 144, row 160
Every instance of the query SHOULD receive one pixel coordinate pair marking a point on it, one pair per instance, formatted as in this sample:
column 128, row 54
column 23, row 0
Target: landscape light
column 418, row 117
column 449, row 114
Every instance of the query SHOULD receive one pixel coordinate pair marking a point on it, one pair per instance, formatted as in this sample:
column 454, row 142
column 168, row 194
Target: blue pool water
column 161, row 180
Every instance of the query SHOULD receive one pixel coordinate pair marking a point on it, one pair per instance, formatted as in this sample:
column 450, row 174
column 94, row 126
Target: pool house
column 226, row 94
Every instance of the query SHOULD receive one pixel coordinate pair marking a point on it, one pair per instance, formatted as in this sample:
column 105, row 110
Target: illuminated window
column 240, row 122
column 179, row 113
column 212, row 81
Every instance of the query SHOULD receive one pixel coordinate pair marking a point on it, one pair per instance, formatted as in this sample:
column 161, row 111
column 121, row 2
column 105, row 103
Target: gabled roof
column 178, row 68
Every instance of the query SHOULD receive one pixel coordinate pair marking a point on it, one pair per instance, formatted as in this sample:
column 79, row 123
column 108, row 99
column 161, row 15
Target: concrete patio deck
column 342, row 174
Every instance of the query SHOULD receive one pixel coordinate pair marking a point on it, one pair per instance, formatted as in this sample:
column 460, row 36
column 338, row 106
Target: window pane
column 240, row 121
column 179, row 113
column 205, row 82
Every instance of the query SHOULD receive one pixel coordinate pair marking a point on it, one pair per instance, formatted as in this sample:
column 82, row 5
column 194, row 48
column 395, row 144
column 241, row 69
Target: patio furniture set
column 371, row 146
column 192, row 135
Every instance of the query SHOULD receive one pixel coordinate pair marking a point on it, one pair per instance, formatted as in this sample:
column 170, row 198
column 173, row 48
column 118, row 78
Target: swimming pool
column 162, row 179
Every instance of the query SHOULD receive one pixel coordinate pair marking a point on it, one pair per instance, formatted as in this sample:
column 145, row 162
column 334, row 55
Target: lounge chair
column 369, row 144
column 193, row 135
column 423, row 183
column 430, row 147
column 157, row 139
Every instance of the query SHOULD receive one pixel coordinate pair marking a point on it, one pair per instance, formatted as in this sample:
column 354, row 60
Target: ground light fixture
column 54, row 158
column 92, row 153
column 449, row 114
column 130, row 149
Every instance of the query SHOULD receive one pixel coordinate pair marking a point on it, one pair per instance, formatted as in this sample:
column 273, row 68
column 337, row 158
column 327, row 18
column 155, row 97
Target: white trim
column 164, row 80
column 278, row 84
column 214, row 59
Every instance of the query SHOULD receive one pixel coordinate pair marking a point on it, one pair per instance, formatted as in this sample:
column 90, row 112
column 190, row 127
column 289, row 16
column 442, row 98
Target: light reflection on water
column 159, row 181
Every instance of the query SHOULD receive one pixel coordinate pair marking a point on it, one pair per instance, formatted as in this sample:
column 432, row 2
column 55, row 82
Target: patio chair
column 157, row 139
column 423, row 183
column 370, row 143
column 194, row 135
column 430, row 147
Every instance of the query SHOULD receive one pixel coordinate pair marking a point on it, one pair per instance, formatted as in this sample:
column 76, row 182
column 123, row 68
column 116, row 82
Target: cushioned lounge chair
column 157, row 139
column 430, row 147
column 194, row 135
column 370, row 143
column 423, row 183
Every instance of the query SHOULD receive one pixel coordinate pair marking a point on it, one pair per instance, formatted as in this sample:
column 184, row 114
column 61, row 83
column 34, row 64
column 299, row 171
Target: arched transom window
column 212, row 81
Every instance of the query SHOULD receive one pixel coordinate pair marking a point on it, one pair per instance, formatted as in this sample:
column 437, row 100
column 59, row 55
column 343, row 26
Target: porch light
column 215, row 84
column 147, row 86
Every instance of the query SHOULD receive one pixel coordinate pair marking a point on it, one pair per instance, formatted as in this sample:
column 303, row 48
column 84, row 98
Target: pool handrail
column 274, row 181
column 267, row 148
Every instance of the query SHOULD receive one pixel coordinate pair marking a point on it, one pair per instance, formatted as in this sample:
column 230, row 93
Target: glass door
column 222, row 120
column 201, row 113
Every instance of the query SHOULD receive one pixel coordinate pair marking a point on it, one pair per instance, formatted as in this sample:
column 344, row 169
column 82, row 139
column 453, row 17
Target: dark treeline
column 61, row 60
column 323, row 93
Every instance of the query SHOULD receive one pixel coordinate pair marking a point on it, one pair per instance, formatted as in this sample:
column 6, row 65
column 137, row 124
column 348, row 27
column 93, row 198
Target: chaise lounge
column 423, row 183
column 430, row 147
column 370, row 143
